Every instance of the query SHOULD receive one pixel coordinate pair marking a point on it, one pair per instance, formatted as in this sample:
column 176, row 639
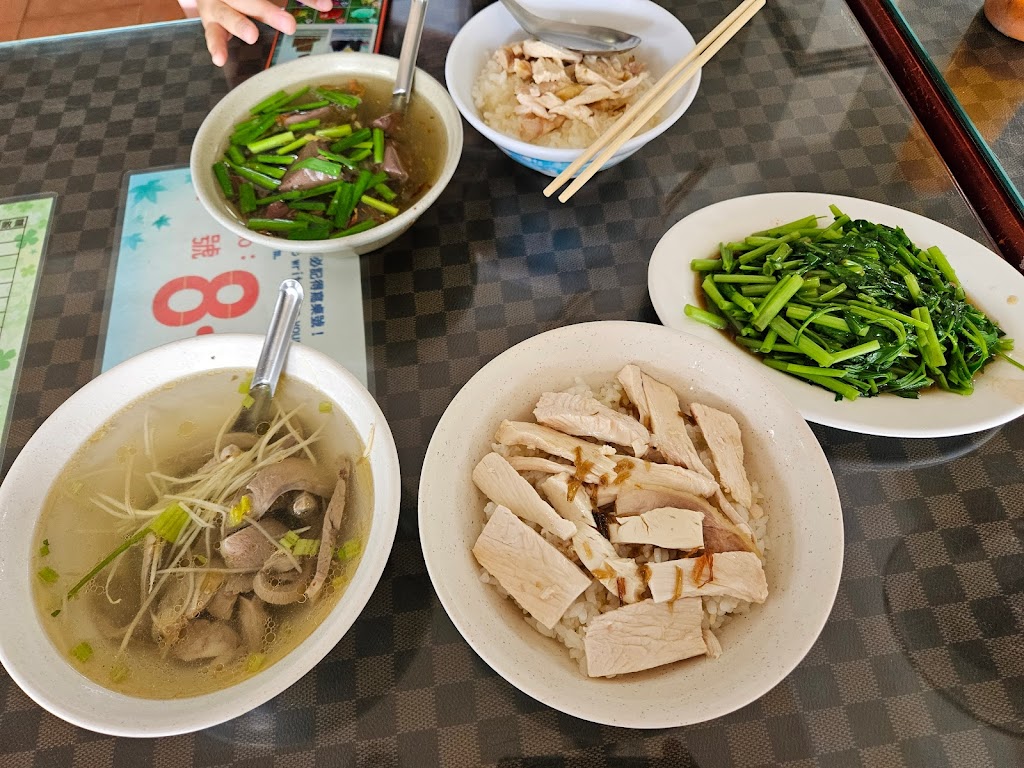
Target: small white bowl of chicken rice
column 630, row 525
column 542, row 106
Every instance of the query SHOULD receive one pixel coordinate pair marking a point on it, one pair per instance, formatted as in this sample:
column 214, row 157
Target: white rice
column 571, row 630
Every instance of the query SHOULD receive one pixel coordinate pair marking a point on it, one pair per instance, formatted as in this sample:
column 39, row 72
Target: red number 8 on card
column 210, row 305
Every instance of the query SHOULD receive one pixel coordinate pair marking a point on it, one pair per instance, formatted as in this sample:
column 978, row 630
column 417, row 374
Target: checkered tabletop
column 983, row 68
column 922, row 660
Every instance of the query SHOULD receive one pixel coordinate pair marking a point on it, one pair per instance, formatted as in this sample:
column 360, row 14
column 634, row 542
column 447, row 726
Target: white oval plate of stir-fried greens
column 870, row 318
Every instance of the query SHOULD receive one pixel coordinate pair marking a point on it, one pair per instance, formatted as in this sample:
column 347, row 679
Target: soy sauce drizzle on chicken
column 664, row 517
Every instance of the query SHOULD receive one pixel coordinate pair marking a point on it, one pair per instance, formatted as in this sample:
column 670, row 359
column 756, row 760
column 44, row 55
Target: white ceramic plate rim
column 211, row 139
column 539, row 667
column 26, row 651
column 457, row 71
column 988, row 279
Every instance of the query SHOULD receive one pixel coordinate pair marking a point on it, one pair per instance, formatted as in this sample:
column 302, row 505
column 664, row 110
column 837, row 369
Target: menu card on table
column 350, row 25
column 24, row 226
column 178, row 273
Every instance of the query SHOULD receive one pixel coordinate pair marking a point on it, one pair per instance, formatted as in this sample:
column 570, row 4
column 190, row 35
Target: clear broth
column 79, row 534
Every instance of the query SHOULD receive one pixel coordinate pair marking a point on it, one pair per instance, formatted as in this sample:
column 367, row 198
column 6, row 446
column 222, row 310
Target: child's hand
column 224, row 18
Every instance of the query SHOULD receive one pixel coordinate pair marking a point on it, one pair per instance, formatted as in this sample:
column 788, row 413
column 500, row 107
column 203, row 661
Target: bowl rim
column 209, row 134
column 553, row 154
column 479, row 629
column 95, row 707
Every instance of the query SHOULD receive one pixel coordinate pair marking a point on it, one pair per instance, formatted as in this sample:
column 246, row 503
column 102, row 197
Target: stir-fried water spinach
column 854, row 307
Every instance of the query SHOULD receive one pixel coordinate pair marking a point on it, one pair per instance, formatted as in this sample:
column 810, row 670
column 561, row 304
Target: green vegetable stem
column 312, row 133
column 854, row 307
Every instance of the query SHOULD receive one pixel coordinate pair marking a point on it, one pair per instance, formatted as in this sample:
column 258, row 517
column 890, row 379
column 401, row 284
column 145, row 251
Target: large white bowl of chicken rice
column 484, row 91
column 579, row 628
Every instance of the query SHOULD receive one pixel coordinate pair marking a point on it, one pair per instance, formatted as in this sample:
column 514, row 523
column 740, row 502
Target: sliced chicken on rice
column 631, row 562
column 555, row 97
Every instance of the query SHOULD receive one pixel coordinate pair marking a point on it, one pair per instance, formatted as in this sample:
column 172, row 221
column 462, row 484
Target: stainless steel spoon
column 407, row 56
column 272, row 358
column 585, row 38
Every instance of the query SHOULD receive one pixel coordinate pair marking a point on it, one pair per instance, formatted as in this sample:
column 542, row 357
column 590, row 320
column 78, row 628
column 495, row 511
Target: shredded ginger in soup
column 174, row 558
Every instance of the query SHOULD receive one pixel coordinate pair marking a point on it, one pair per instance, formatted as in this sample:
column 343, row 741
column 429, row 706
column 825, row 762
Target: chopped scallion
column 309, row 205
column 235, row 155
column 380, row 205
column 305, row 125
column 169, row 523
column 299, row 143
column 220, row 171
column 257, row 178
column 118, row 673
column 272, row 171
column 306, row 547
column 275, row 159
column 271, row 142
column 319, row 165
column 271, row 102
column 340, row 98
column 378, row 146
column 337, row 132
column 82, row 652
column 289, row 539
column 351, row 140
column 349, row 550
column 359, row 156
column 247, row 198
column 240, row 510
column 276, row 225
column 355, row 229
column 384, row 191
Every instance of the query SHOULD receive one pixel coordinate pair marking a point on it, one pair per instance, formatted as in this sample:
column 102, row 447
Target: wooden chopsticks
column 637, row 116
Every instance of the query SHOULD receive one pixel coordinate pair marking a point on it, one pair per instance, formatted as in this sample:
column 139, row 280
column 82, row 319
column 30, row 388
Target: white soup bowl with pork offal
column 163, row 572
column 631, row 525
column 543, row 106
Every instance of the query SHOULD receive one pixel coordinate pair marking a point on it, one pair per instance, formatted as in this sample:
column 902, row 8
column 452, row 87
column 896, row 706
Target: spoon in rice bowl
column 584, row 38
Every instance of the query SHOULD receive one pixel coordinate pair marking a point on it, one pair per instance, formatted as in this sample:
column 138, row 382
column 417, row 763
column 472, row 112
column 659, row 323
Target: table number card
column 180, row 274
column 24, row 225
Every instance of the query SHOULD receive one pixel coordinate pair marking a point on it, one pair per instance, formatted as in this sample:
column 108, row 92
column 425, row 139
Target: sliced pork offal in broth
column 174, row 558
column 330, row 160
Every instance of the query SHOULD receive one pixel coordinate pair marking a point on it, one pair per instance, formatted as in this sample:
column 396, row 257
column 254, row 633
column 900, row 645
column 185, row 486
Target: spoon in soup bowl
column 584, row 38
column 390, row 120
column 256, row 410
column 408, row 55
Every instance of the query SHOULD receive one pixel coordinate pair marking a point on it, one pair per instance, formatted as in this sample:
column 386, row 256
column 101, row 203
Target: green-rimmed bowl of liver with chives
column 306, row 157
